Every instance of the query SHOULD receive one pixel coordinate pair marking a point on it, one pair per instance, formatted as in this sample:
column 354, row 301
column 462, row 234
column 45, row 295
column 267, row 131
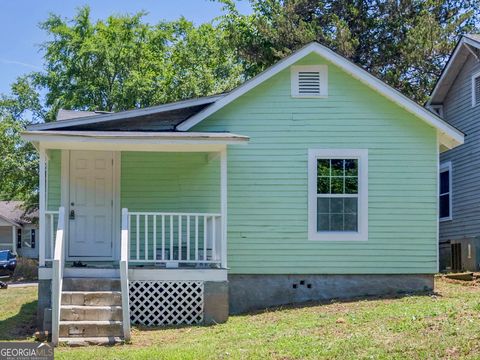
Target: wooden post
column 223, row 205
column 42, row 196
column 14, row 239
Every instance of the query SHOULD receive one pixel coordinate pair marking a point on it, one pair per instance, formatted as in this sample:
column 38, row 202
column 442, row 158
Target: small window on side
column 445, row 192
column 338, row 194
column 476, row 89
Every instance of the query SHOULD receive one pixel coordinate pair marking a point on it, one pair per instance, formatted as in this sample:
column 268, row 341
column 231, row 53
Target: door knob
column 72, row 215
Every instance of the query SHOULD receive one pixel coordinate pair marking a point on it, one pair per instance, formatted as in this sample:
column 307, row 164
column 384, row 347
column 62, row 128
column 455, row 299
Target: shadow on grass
column 20, row 326
column 372, row 298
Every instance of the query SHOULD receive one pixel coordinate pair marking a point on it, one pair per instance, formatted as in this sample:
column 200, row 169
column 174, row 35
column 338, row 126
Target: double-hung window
column 338, row 194
column 445, row 192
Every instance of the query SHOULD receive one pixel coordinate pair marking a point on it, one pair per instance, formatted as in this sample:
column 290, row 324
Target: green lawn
column 445, row 325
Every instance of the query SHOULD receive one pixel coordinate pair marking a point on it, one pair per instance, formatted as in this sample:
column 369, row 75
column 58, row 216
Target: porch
column 147, row 213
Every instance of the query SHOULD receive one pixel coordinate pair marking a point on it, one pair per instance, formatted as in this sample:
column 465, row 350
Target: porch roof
column 133, row 140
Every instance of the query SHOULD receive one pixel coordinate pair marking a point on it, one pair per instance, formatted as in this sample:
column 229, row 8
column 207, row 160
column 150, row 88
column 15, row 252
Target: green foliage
column 404, row 43
column 124, row 63
column 19, row 161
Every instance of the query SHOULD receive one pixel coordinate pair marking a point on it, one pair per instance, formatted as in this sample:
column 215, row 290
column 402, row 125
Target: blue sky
column 20, row 36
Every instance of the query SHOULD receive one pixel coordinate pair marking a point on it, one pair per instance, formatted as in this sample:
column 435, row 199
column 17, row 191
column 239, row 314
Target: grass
column 443, row 325
column 18, row 311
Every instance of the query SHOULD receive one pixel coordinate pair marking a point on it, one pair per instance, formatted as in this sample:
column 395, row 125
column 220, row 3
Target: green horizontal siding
column 267, row 179
column 54, row 179
column 168, row 182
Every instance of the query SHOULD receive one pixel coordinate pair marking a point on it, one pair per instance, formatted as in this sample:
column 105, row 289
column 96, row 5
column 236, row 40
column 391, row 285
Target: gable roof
column 449, row 136
column 183, row 115
column 468, row 44
column 165, row 116
column 13, row 213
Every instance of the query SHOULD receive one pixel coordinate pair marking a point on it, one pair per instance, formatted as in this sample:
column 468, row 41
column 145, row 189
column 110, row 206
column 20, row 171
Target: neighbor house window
column 19, row 238
column 476, row 89
column 33, row 238
column 338, row 194
column 445, row 191
column 309, row 81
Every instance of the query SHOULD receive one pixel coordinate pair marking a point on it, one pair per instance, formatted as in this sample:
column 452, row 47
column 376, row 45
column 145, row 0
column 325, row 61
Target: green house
column 313, row 180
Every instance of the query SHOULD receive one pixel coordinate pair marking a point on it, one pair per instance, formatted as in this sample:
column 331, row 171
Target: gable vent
column 309, row 81
column 476, row 90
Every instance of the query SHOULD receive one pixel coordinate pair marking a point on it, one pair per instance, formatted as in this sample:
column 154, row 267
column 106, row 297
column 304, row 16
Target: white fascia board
column 347, row 66
column 171, row 142
column 446, row 73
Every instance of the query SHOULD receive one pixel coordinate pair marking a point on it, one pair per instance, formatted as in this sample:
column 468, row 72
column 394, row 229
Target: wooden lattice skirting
column 156, row 303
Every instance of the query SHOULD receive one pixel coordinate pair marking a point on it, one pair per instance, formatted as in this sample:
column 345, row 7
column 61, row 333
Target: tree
column 123, row 63
column 404, row 43
column 19, row 162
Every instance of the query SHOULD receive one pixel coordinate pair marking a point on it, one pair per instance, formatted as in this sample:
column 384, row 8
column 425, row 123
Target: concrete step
column 83, row 313
column 91, row 284
column 86, row 329
column 92, row 298
column 85, row 341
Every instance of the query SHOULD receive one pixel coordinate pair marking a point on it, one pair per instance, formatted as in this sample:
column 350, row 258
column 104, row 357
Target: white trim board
column 449, row 136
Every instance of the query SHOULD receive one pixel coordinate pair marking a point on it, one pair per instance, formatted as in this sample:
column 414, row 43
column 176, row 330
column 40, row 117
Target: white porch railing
column 175, row 238
column 51, row 218
column 124, row 276
column 58, row 265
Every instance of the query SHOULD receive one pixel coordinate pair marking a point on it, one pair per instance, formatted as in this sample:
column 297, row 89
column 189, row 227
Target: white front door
column 91, row 204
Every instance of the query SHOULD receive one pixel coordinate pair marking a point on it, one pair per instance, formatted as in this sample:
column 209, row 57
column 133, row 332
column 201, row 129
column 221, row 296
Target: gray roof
column 156, row 118
column 14, row 213
column 75, row 114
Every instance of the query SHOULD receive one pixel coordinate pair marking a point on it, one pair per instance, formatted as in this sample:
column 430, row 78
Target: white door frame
column 65, row 201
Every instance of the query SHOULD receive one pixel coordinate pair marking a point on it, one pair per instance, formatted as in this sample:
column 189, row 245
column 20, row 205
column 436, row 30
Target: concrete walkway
column 26, row 284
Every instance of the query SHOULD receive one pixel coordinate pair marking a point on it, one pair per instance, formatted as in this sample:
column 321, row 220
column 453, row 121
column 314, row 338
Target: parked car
column 8, row 262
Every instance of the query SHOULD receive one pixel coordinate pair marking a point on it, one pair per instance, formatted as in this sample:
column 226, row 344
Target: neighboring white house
column 18, row 229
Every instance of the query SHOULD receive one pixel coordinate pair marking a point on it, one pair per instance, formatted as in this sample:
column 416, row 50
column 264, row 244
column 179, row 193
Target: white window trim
column 446, row 166
column 322, row 69
column 475, row 101
column 362, row 156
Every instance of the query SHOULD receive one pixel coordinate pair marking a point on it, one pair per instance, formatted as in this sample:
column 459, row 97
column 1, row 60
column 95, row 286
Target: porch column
column 14, row 239
column 41, row 216
column 223, row 205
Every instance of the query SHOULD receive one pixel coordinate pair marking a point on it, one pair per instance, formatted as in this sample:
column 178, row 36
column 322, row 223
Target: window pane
column 323, row 205
column 444, row 206
column 337, row 185
column 336, row 205
column 323, row 167
column 337, row 167
column 351, row 185
column 350, row 205
column 350, row 223
column 444, row 182
column 337, row 214
column 323, row 223
column 336, row 222
column 351, row 167
column 323, row 185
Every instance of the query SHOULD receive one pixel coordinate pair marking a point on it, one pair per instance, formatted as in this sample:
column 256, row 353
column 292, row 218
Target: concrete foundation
column 44, row 314
column 254, row 292
column 215, row 302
